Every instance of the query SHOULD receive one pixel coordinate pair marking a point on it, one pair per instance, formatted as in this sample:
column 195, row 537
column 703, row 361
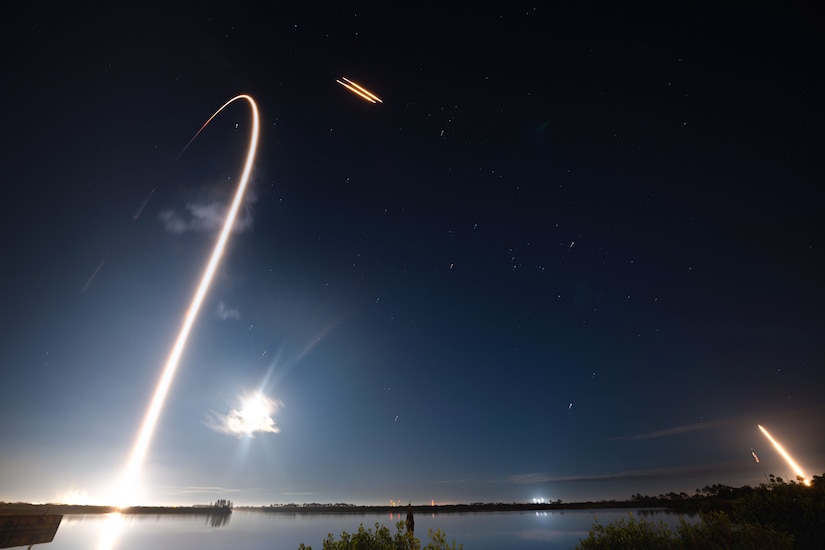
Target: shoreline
column 74, row 509
column 25, row 509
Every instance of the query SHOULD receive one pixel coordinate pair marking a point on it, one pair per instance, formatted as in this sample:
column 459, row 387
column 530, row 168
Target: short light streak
column 143, row 205
column 360, row 90
column 132, row 473
column 785, row 455
column 92, row 278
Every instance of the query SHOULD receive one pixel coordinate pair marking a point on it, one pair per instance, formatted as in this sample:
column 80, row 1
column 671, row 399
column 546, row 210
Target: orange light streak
column 139, row 451
column 785, row 455
column 360, row 90
column 372, row 95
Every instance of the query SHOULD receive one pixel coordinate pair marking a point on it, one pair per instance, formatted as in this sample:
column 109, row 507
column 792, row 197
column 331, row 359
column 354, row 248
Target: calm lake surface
column 248, row 530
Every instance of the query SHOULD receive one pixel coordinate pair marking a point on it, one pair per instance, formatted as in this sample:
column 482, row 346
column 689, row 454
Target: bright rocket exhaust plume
column 130, row 481
column 797, row 470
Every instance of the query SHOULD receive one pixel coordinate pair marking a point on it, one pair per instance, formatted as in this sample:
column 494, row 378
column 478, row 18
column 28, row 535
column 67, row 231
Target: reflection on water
column 218, row 520
column 110, row 527
column 109, row 531
column 254, row 530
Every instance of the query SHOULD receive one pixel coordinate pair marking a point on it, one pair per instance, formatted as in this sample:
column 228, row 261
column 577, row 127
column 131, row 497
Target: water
column 248, row 530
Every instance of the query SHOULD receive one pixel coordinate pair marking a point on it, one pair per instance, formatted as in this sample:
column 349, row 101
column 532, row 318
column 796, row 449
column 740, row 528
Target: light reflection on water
column 248, row 530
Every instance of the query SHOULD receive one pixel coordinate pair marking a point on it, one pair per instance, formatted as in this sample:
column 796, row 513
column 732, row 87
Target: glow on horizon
column 785, row 455
column 128, row 490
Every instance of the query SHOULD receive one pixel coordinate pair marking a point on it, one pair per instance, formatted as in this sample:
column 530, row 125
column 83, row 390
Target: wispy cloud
column 536, row 478
column 207, row 217
column 225, row 313
column 673, row 431
column 529, row 479
column 200, row 490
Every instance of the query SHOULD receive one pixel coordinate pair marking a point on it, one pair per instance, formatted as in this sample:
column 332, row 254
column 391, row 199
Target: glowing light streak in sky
column 92, row 278
column 141, row 446
column 143, row 204
column 359, row 90
column 786, row 456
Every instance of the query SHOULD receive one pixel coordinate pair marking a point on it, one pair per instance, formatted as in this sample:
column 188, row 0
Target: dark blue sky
column 575, row 253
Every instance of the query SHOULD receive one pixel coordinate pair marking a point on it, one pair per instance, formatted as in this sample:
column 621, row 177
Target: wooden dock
column 27, row 530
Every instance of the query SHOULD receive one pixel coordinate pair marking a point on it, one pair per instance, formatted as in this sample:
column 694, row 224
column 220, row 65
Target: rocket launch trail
column 130, row 480
column 797, row 470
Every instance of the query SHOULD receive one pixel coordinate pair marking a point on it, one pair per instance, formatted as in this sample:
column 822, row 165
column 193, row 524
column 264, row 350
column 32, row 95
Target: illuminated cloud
column 206, row 218
column 527, row 479
column 253, row 416
column 199, row 490
column 668, row 472
column 173, row 222
column 225, row 313
column 74, row 496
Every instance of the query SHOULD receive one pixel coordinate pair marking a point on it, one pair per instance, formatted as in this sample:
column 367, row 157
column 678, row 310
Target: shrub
column 789, row 508
column 716, row 530
column 382, row 539
column 629, row 534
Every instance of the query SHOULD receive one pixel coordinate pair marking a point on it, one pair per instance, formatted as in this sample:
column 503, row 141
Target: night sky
column 576, row 253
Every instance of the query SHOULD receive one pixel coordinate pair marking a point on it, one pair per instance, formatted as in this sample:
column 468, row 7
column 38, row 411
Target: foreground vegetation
column 381, row 539
column 715, row 530
column 777, row 515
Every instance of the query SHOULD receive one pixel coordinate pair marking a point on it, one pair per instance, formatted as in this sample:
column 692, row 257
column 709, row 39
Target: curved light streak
column 132, row 473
